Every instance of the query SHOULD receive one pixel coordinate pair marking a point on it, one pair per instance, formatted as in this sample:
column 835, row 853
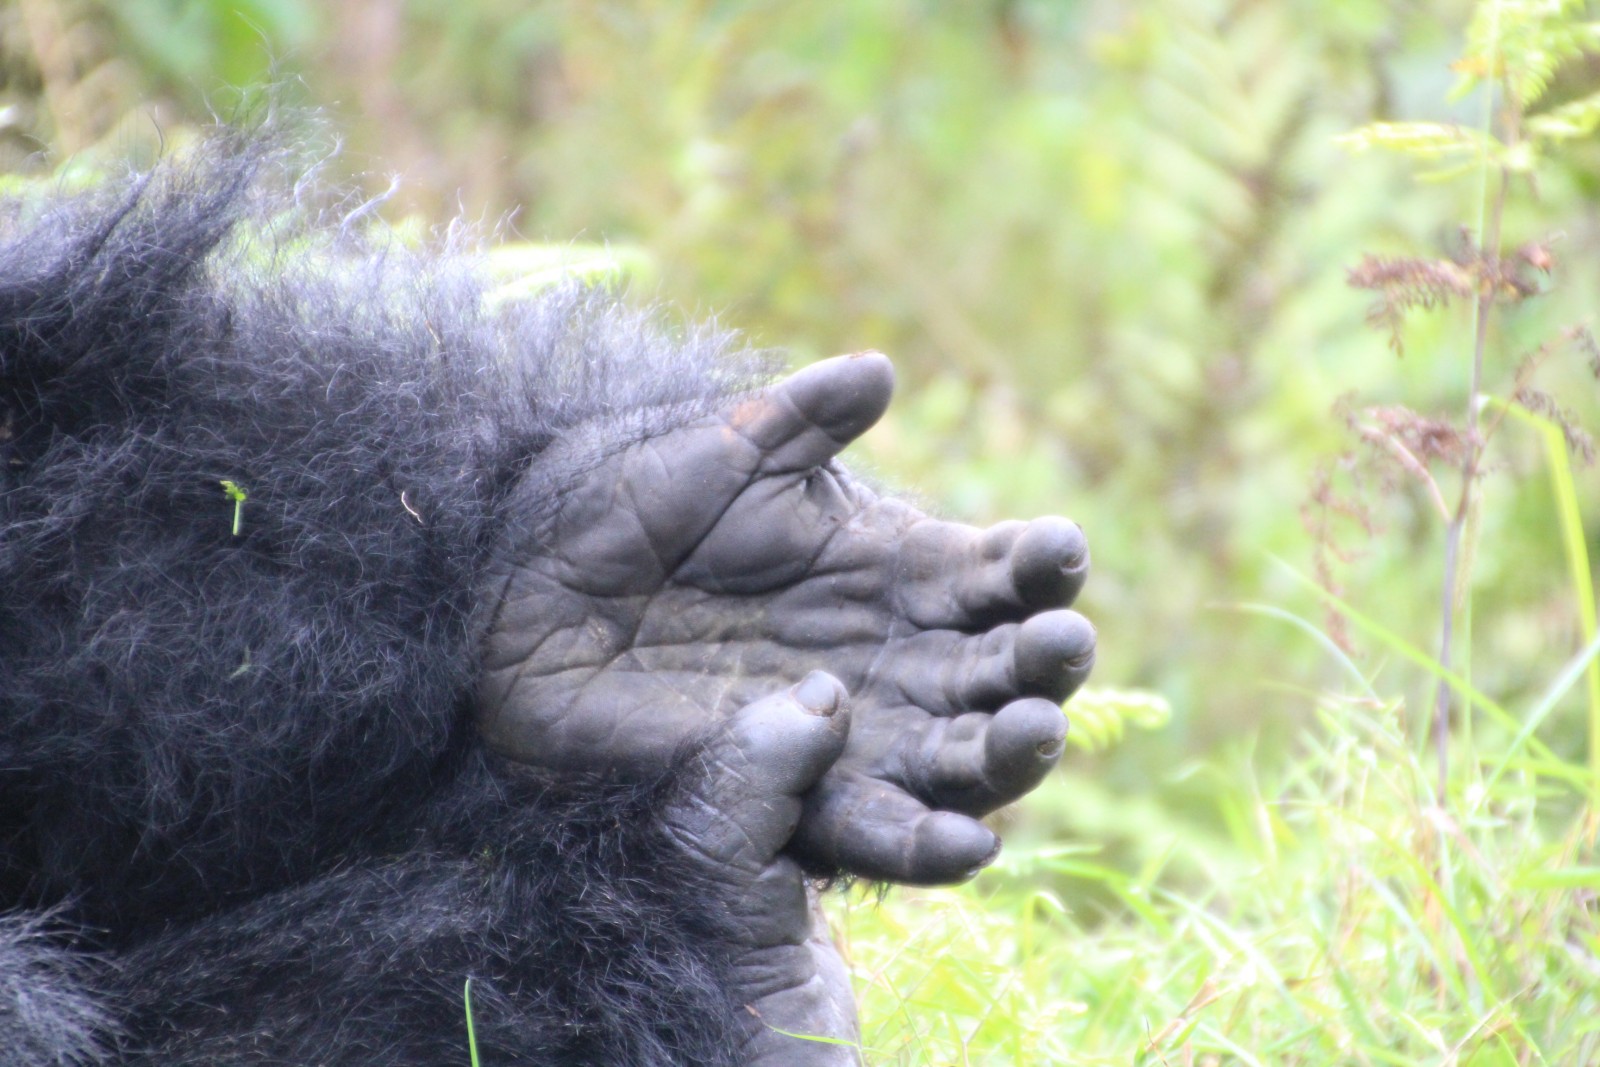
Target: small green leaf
column 1100, row 717
column 237, row 494
column 472, row 1036
column 1560, row 878
column 1429, row 141
column 1579, row 118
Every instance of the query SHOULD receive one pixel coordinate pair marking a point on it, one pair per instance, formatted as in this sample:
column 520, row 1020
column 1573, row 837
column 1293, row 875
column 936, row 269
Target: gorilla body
column 550, row 650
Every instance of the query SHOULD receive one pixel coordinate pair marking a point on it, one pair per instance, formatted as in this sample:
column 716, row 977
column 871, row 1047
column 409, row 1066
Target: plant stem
column 1483, row 304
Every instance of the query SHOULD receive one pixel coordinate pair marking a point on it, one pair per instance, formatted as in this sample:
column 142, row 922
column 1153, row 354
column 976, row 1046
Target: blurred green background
column 1105, row 242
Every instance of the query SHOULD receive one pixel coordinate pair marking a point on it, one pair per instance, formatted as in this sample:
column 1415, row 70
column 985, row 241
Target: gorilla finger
column 947, row 673
column 807, row 419
column 958, row 577
column 874, row 830
column 1005, row 571
column 977, row 763
column 1054, row 654
column 741, row 795
column 1049, row 562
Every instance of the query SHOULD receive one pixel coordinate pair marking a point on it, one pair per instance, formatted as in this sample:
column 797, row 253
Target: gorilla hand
column 740, row 804
column 693, row 572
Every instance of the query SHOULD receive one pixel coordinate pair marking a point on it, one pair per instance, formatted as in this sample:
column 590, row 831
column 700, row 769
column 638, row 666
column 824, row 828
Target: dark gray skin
column 696, row 585
column 742, row 802
column 705, row 568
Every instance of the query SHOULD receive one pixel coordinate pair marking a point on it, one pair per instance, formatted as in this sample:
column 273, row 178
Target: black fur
column 238, row 772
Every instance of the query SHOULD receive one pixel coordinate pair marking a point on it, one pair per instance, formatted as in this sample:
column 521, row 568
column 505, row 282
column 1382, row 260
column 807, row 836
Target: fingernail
column 1086, row 638
column 819, row 693
column 1075, row 549
column 993, row 855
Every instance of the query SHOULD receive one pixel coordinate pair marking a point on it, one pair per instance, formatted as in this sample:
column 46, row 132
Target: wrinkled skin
column 695, row 587
column 710, row 566
column 741, row 802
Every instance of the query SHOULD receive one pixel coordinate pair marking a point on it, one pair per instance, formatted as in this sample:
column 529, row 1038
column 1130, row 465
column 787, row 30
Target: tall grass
column 1399, row 888
column 1353, row 921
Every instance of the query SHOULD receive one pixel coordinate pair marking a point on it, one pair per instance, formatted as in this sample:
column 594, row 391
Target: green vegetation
column 1129, row 259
